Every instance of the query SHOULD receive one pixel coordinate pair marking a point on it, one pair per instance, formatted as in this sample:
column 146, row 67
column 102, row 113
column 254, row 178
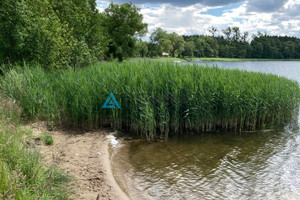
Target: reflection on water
column 264, row 165
column 252, row 165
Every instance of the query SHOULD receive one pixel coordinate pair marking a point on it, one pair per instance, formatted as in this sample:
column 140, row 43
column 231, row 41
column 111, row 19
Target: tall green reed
column 157, row 99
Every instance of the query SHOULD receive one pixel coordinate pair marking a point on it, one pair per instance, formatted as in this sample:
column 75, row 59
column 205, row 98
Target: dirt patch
column 84, row 156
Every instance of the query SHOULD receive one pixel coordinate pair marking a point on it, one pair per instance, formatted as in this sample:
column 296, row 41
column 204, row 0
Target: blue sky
column 276, row 17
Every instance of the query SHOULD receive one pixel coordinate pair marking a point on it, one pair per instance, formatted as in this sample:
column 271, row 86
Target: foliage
column 169, row 99
column 48, row 139
column 72, row 33
column 123, row 23
column 235, row 44
column 141, row 49
column 157, row 59
column 161, row 41
column 31, row 31
column 89, row 39
column 22, row 174
column 189, row 48
column 63, row 33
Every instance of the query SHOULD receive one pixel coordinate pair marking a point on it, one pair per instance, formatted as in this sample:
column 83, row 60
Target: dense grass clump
column 48, row 139
column 157, row 99
column 22, row 172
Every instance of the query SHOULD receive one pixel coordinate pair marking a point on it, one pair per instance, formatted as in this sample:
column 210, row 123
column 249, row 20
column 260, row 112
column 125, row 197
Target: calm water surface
column 289, row 69
column 251, row 165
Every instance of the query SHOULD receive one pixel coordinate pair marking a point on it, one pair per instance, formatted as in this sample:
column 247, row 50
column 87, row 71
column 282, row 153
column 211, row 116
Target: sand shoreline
column 110, row 177
column 85, row 156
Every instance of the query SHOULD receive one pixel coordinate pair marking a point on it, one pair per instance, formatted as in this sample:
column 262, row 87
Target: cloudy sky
column 276, row 17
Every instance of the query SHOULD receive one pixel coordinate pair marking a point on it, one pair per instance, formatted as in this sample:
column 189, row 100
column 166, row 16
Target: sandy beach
column 85, row 156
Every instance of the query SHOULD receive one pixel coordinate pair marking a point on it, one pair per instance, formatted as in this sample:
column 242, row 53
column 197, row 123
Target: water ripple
column 221, row 166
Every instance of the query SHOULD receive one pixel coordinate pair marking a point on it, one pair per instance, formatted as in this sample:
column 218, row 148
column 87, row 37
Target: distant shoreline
column 171, row 59
column 239, row 59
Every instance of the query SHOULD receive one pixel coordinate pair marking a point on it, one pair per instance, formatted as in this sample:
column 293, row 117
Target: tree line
column 231, row 44
column 63, row 33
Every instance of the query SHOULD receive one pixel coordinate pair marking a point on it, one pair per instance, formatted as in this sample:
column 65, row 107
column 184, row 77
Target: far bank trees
column 161, row 41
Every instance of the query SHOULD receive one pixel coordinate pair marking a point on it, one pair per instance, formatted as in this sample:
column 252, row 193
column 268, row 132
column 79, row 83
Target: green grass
column 240, row 59
column 22, row 173
column 48, row 139
column 157, row 99
column 157, row 59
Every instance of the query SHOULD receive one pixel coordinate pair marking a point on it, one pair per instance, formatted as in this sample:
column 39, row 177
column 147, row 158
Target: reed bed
column 157, row 100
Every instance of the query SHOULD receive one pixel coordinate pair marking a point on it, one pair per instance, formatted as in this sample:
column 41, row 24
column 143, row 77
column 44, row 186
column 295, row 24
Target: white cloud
column 265, row 5
column 251, row 15
column 180, row 2
column 101, row 5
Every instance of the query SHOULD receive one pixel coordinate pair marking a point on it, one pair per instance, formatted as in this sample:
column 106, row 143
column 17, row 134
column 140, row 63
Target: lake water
column 251, row 165
column 289, row 69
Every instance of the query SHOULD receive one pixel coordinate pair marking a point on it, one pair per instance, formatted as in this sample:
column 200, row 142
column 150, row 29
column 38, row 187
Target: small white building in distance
column 164, row 54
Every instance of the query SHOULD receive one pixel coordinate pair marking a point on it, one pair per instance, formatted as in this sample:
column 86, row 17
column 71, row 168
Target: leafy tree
column 161, row 41
column 141, row 48
column 257, row 49
column 177, row 42
column 289, row 49
column 158, row 35
column 53, row 33
column 32, row 32
column 166, row 45
column 297, row 49
column 158, row 42
column 199, row 47
column 88, row 36
column 267, row 50
column 189, row 48
column 124, row 24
